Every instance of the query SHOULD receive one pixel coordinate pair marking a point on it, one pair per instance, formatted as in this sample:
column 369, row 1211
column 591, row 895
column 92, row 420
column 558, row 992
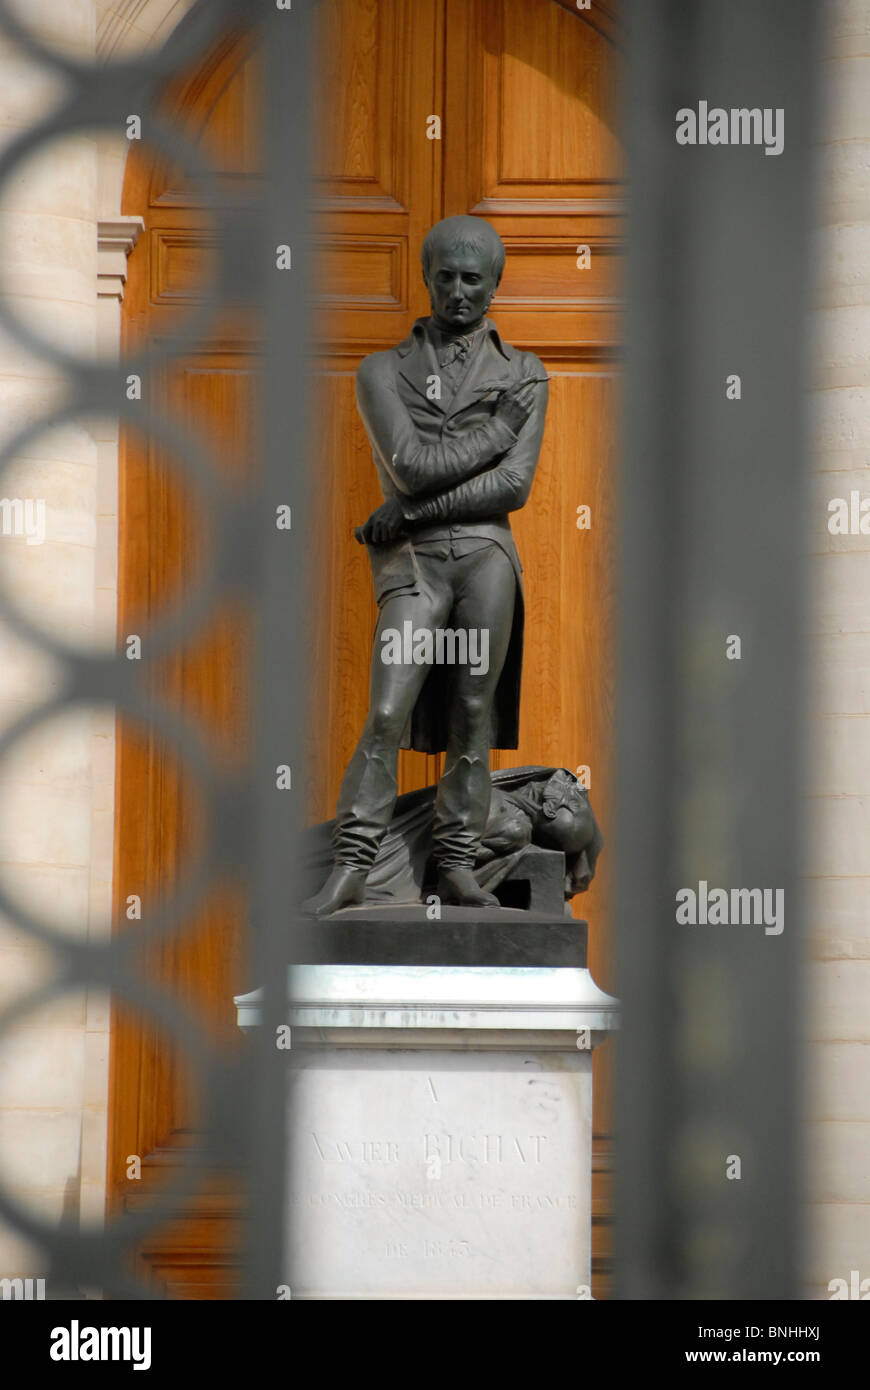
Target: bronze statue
column 455, row 417
column 542, row 807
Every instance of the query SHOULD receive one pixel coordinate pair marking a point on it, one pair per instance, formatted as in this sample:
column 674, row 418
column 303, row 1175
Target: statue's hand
column 385, row 524
column 515, row 404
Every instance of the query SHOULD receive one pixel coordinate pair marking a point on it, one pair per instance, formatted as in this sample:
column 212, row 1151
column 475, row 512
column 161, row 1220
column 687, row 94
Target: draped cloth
column 402, row 869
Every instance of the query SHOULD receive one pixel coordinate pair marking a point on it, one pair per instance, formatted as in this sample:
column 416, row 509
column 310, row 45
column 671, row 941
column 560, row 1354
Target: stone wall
column 63, row 248
column 50, row 1064
column 838, row 1155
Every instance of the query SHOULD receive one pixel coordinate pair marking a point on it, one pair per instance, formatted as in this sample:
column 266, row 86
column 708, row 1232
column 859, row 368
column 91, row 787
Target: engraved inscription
column 491, row 1149
column 355, row 1150
column 356, row 1199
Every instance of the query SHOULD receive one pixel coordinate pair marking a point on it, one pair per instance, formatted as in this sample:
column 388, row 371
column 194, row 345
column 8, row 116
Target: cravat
column 454, row 350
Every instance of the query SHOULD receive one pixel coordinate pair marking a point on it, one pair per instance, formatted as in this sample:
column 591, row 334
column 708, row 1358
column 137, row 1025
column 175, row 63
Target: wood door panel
column 182, row 264
column 543, row 272
column 535, row 100
column 218, row 110
column 357, row 153
column 362, row 273
column 549, row 85
column 377, row 176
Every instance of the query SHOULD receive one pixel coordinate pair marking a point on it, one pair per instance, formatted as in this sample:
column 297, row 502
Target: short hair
column 464, row 233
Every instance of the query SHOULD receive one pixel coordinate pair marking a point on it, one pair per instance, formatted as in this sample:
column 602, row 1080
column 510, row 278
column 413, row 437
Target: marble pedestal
column 440, row 1130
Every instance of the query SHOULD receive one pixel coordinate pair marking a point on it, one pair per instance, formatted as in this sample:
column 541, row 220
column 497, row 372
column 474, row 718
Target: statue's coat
column 393, row 397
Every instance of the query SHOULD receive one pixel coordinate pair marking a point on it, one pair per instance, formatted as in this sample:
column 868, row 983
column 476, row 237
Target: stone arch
column 123, row 25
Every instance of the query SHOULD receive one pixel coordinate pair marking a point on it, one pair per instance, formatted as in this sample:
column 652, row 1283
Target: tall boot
column 365, row 806
column 461, row 809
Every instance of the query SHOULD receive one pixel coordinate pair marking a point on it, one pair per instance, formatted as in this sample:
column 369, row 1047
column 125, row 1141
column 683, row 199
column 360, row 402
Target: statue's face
column 460, row 284
column 569, row 830
column 569, row 826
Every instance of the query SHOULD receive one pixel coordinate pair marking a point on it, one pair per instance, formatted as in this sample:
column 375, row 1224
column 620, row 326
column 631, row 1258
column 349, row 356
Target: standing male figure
column 455, row 418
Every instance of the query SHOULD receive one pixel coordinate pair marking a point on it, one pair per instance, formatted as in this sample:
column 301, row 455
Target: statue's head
column 463, row 259
column 565, row 820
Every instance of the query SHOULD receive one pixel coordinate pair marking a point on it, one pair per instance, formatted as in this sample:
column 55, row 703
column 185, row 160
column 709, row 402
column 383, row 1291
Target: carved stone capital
column 115, row 241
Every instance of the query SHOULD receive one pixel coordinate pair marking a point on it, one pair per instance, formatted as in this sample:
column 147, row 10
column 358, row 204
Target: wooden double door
column 499, row 108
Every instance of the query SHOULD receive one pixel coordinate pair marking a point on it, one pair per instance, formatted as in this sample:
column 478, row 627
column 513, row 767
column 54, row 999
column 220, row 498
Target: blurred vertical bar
column 709, row 748
column 280, row 672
